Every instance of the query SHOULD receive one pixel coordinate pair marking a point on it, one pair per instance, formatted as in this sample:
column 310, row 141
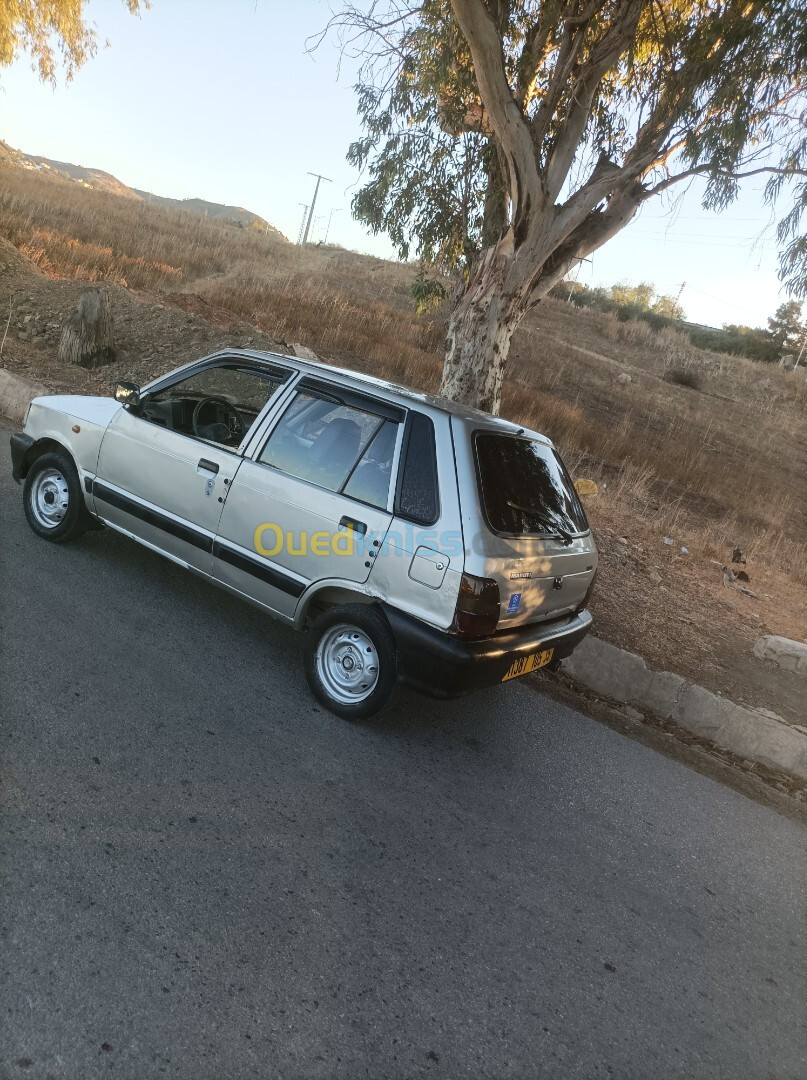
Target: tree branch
column 536, row 49
column 604, row 54
column 506, row 119
column 701, row 170
column 590, row 234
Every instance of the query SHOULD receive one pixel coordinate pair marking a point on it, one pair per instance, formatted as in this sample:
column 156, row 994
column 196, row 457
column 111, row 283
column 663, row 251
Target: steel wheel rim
column 347, row 664
column 50, row 498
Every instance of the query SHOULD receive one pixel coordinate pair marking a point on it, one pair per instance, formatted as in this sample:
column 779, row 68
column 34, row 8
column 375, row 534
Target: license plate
column 525, row 664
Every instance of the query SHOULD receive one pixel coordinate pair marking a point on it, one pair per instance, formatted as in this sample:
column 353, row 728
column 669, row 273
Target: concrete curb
column 755, row 734
column 16, row 394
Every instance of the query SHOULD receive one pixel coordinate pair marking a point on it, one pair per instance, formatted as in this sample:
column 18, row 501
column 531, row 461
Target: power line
column 717, row 299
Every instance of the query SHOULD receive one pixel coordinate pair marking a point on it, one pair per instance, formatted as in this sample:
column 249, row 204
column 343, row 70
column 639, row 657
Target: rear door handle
column 208, row 466
column 350, row 523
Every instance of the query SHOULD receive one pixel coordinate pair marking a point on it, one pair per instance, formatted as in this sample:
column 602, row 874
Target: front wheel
column 350, row 661
column 52, row 498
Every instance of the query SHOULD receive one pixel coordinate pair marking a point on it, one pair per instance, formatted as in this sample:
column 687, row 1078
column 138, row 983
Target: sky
column 220, row 100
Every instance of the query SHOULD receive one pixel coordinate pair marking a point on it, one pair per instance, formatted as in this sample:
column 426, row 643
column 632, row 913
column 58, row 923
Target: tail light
column 478, row 604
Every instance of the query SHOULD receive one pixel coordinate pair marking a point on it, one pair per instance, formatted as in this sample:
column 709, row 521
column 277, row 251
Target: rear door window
column 370, row 480
column 525, row 488
column 337, row 446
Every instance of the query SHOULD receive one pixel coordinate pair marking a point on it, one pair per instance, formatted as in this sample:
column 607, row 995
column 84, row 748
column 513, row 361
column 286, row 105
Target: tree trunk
column 487, row 315
column 87, row 335
column 479, row 332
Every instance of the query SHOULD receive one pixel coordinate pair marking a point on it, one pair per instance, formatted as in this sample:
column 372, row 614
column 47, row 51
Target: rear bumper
column 20, row 445
column 443, row 666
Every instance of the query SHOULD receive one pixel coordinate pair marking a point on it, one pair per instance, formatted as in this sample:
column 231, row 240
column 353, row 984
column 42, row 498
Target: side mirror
column 127, row 393
column 585, row 487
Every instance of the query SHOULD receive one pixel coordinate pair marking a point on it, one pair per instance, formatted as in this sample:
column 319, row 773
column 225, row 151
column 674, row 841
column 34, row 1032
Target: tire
column 53, row 499
column 350, row 661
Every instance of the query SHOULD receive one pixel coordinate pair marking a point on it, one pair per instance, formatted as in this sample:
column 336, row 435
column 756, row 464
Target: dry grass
column 711, row 447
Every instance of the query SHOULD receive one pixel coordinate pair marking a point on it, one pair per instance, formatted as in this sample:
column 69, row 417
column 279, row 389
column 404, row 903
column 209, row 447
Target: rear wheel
column 350, row 661
column 53, row 500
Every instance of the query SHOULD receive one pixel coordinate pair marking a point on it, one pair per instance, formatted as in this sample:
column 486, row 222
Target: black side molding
column 218, row 548
column 192, row 536
column 258, row 568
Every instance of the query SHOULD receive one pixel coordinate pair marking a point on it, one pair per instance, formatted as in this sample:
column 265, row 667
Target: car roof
column 404, row 395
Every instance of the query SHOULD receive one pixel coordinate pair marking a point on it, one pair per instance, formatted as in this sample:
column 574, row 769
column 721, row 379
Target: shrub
column 427, row 293
column 684, row 377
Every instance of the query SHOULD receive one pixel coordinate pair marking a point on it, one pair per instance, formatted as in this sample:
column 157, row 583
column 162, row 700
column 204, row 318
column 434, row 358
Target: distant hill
column 99, row 180
column 235, row 214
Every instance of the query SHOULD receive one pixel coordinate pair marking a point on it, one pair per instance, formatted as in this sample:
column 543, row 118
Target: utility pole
column 302, row 223
column 313, row 204
column 801, row 353
column 573, row 283
column 681, row 289
column 336, row 210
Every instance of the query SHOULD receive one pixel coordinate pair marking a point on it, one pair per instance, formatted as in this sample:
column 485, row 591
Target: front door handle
column 208, row 466
column 350, row 523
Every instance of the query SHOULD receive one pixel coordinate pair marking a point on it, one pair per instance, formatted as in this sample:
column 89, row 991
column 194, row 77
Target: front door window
column 218, row 405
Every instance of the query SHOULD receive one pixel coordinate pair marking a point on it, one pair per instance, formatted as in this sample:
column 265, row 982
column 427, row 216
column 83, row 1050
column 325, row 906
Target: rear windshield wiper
column 554, row 531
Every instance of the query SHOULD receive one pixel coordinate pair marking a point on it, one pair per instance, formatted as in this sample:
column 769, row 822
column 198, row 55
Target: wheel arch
column 324, row 595
column 42, row 446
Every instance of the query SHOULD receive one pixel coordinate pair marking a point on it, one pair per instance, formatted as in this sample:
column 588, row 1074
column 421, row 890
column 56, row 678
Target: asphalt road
column 205, row 875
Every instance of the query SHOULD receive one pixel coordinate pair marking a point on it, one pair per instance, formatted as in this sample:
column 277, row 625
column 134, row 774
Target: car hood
column 93, row 410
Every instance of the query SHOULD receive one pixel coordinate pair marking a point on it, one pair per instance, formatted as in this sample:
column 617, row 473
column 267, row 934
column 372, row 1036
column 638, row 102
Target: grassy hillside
column 711, row 446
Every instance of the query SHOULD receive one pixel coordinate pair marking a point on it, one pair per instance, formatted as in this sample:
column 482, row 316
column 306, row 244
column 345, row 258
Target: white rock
column 784, row 652
column 630, row 713
column 303, row 351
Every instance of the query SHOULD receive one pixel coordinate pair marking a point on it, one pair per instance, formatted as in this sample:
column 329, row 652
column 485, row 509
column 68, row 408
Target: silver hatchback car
column 412, row 539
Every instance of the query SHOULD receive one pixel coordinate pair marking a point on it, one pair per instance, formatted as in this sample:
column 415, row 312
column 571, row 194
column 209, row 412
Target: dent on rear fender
column 388, row 582
column 335, row 591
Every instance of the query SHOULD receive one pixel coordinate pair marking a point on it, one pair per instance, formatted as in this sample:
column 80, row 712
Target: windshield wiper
column 554, row 531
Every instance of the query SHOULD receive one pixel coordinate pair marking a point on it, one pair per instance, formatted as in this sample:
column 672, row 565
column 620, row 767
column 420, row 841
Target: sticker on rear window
column 515, row 600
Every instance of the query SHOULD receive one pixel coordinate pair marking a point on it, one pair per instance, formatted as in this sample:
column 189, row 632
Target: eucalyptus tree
column 50, row 32
column 507, row 140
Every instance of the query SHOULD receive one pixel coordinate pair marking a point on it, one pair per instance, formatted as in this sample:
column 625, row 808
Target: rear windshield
column 525, row 488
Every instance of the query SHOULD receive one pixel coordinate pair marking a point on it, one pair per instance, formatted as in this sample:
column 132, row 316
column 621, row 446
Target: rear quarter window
column 418, row 497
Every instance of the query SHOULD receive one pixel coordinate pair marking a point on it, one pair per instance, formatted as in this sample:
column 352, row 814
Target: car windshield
column 525, row 488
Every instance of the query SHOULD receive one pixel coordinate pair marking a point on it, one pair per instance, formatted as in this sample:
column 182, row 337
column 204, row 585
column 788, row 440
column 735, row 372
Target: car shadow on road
column 147, row 579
